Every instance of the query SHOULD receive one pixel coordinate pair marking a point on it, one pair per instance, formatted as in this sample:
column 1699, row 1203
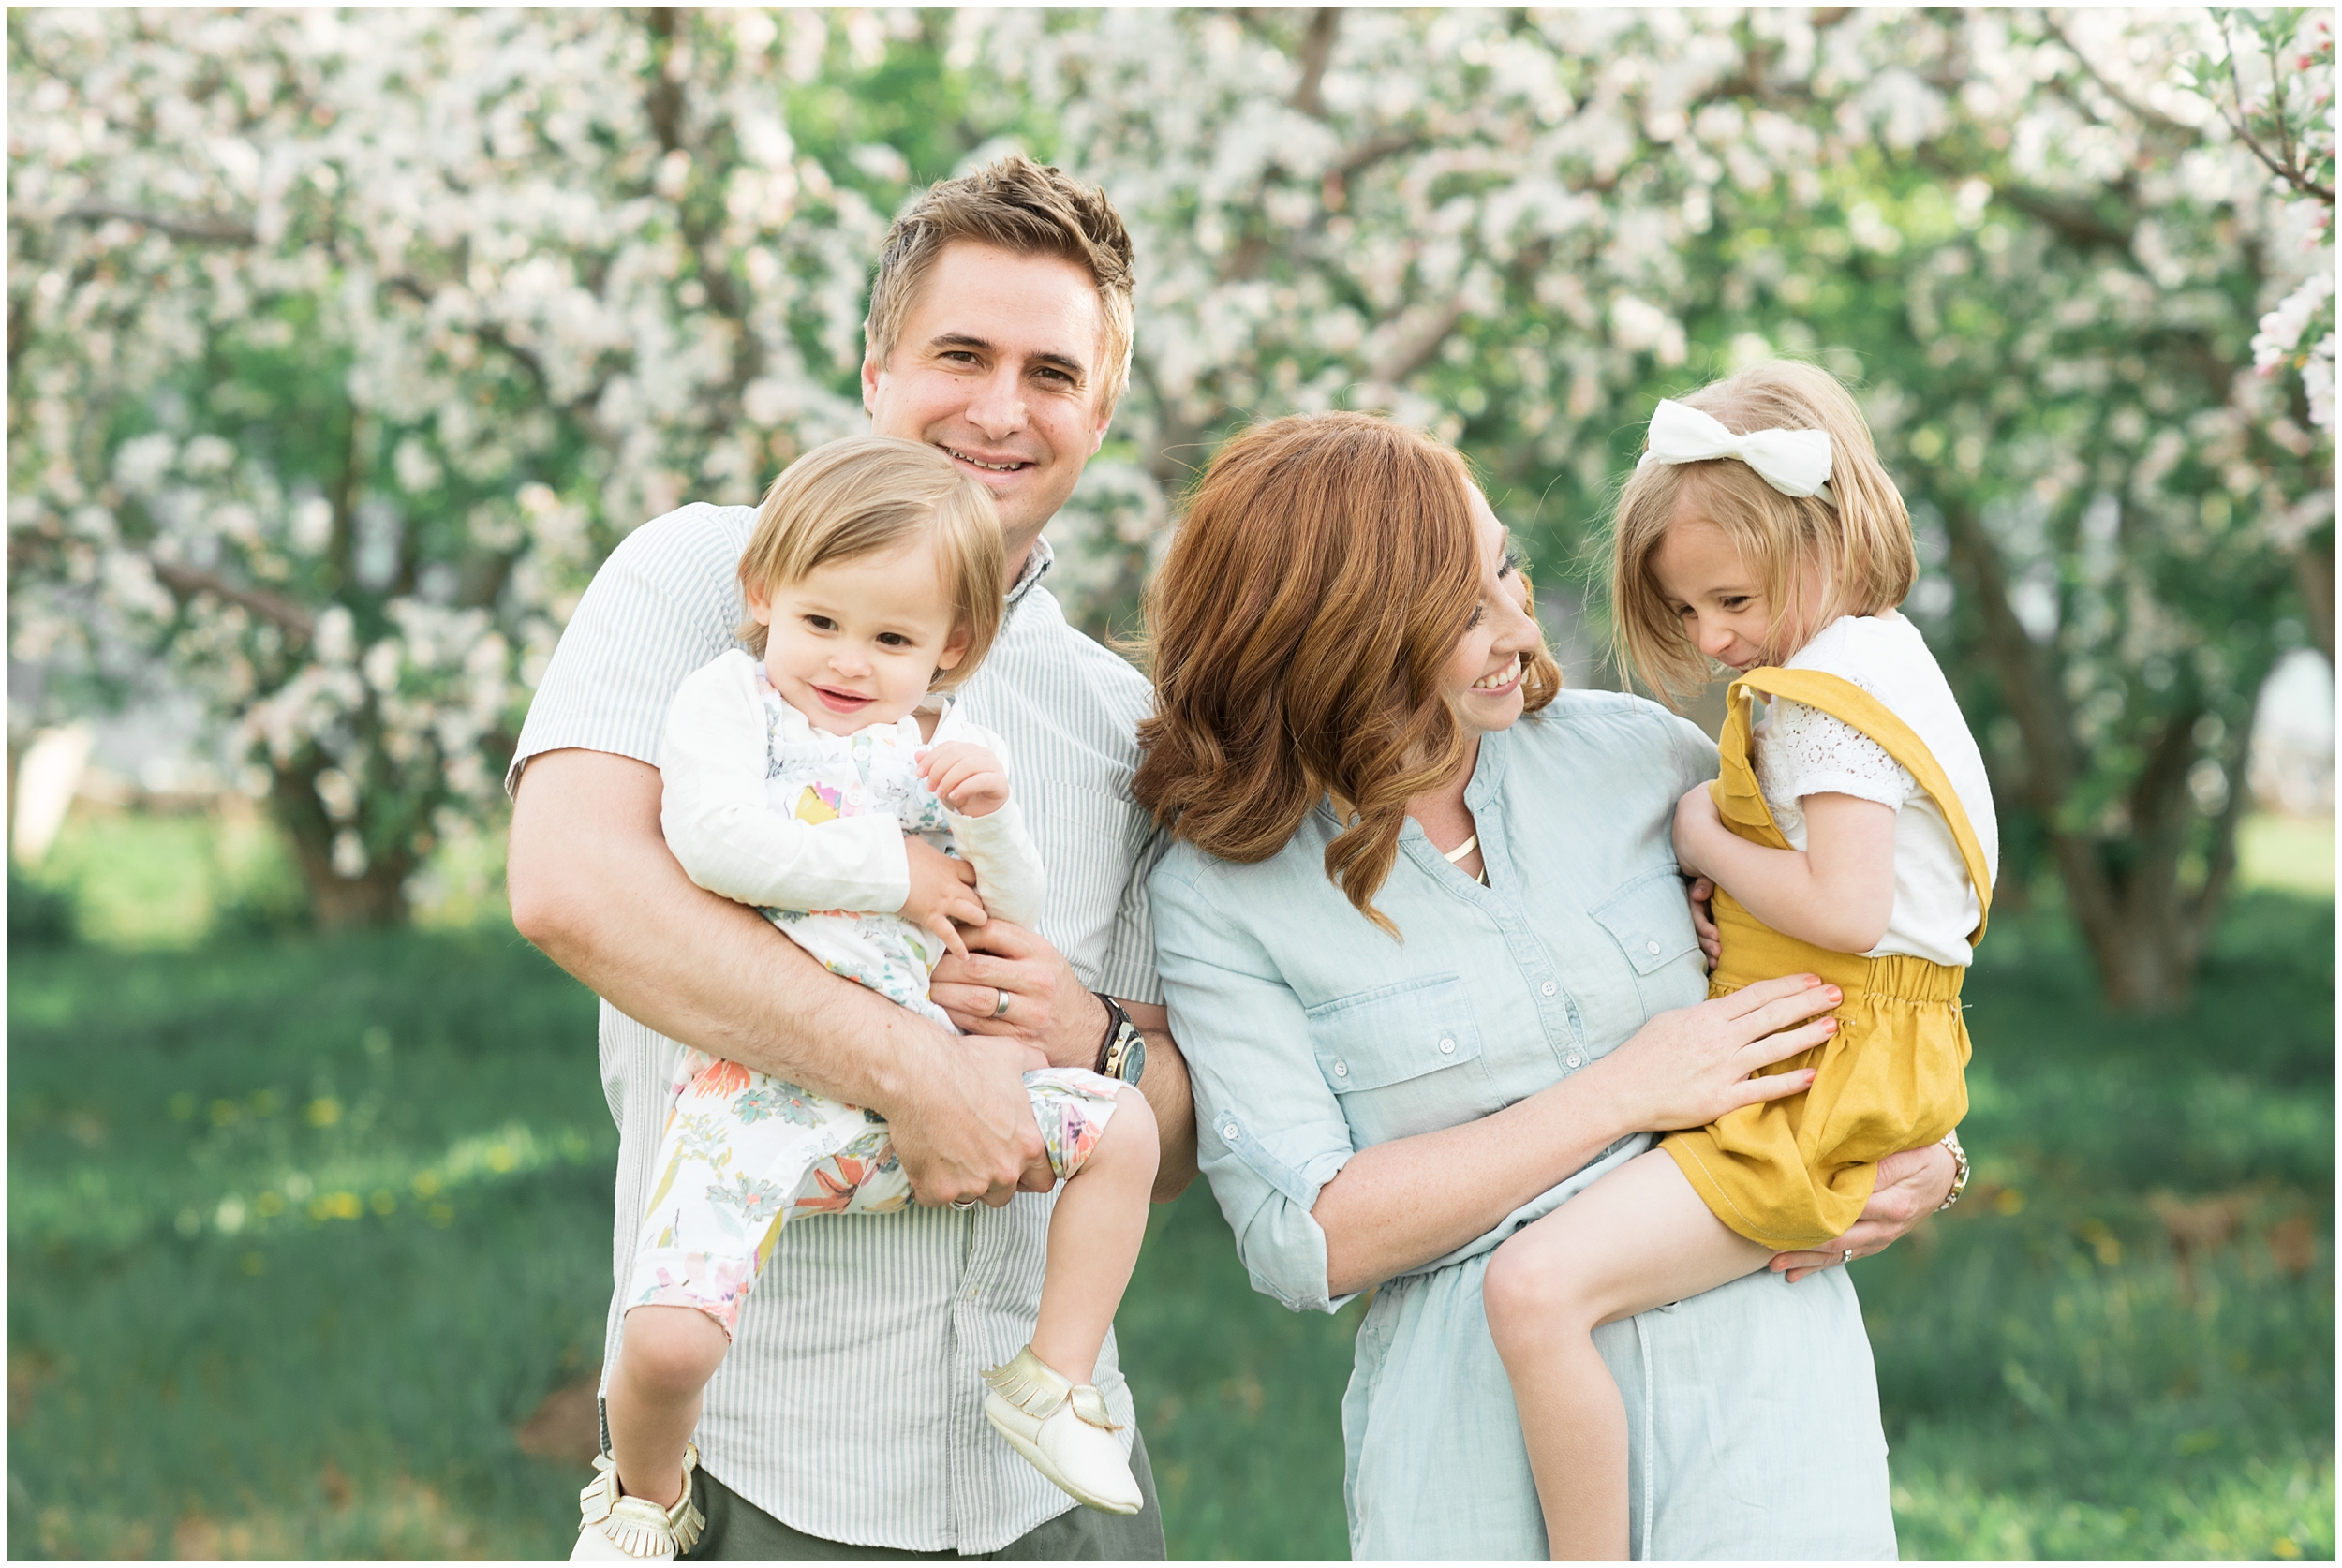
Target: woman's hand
column 943, row 891
column 1912, row 1185
column 1687, row 1067
column 1696, row 817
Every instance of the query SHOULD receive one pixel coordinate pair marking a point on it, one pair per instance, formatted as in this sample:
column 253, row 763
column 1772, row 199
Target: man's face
column 997, row 366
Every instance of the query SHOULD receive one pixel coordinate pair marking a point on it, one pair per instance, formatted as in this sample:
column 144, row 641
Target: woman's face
column 1482, row 681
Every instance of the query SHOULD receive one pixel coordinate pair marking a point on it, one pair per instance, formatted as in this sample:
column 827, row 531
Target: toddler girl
column 816, row 782
column 1857, row 843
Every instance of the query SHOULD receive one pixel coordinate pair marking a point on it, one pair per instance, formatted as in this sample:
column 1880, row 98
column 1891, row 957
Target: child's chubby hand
column 1696, row 818
column 966, row 778
column 942, row 893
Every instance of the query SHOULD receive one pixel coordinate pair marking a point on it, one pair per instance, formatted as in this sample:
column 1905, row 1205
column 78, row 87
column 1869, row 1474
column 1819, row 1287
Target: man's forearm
column 1170, row 1097
column 593, row 886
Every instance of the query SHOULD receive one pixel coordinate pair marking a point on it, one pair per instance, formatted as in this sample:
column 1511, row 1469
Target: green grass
column 301, row 1232
column 2291, row 854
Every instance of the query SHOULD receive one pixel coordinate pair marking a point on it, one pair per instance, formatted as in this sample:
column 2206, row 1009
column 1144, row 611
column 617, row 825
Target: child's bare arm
column 1838, row 891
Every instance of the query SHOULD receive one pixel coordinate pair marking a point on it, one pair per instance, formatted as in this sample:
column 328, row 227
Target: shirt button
column 1546, row 989
column 1652, row 948
column 1574, row 1059
column 1231, row 1132
column 1341, row 1070
column 1447, row 1048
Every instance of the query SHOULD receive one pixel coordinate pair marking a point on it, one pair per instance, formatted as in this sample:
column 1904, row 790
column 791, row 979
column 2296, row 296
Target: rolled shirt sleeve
column 1269, row 1133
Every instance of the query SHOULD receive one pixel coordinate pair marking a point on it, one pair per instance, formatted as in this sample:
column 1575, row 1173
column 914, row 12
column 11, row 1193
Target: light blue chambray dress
column 1753, row 1410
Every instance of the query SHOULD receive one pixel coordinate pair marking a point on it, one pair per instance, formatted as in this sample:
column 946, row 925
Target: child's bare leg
column 664, row 1361
column 1638, row 1239
column 1094, row 1234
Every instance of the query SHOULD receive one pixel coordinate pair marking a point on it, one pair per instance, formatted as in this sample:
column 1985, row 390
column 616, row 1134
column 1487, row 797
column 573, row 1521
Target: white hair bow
column 1794, row 462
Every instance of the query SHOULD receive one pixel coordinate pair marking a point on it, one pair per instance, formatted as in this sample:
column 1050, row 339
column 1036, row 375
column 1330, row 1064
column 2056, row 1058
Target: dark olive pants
column 739, row 1531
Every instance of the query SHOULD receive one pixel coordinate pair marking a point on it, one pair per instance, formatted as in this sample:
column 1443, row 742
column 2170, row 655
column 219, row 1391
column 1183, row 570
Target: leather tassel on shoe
column 1029, row 1383
column 615, row 1526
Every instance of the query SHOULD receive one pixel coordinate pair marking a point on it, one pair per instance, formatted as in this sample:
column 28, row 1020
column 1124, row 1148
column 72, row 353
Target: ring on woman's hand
column 1000, row 1002
column 963, row 1203
column 1848, row 1258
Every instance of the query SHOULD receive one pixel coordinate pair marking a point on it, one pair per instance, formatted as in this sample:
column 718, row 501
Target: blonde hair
column 1860, row 540
column 870, row 494
column 1026, row 208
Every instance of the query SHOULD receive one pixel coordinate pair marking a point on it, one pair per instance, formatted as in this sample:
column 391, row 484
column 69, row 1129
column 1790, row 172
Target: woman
column 1432, row 965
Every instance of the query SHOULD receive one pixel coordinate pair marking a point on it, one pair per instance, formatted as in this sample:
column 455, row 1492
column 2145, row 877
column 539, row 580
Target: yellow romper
column 1794, row 1174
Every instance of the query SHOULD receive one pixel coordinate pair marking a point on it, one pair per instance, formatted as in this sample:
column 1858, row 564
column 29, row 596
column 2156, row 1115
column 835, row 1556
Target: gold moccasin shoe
column 621, row 1528
column 1062, row 1429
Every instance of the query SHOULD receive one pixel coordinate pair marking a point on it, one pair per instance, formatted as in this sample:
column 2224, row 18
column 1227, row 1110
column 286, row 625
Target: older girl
column 1760, row 531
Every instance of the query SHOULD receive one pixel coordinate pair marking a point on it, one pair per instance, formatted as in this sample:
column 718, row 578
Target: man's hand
column 943, row 891
column 966, row 777
column 1912, row 1185
column 1013, row 985
column 965, row 1130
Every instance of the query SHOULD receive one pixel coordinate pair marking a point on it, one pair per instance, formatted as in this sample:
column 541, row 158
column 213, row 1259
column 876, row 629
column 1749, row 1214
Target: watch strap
column 1117, row 1023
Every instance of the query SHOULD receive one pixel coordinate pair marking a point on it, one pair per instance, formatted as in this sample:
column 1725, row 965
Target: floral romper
column 745, row 1153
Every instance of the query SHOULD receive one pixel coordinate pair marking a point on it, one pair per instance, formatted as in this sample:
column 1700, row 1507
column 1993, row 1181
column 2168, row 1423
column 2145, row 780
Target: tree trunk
column 2313, row 567
column 375, row 897
column 2146, row 932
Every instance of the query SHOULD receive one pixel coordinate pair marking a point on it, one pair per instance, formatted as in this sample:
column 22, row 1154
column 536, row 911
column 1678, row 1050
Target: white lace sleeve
column 1804, row 751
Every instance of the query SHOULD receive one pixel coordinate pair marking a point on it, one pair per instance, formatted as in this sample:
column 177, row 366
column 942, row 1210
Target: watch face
column 1134, row 1059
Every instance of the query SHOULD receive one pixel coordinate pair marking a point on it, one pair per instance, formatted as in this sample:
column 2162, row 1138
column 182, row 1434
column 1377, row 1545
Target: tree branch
column 2138, row 111
column 2284, row 169
column 1316, row 50
column 1414, row 348
column 186, row 582
column 201, row 228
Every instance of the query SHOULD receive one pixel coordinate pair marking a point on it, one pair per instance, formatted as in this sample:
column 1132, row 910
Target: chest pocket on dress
column 1650, row 920
column 1652, row 927
column 1403, row 1059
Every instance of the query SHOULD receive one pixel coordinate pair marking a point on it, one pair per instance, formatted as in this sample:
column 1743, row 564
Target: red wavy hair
column 1298, row 630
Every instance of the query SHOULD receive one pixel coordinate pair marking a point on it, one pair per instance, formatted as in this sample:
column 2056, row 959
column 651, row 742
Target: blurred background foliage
column 342, row 348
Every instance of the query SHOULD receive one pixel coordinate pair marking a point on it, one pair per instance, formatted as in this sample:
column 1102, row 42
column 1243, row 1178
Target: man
column 845, row 1421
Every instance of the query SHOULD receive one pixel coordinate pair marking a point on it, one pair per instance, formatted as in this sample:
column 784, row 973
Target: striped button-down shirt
column 850, row 1406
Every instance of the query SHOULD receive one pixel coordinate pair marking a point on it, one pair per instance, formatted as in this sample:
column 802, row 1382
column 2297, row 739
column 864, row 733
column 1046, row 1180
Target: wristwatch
column 1958, row 1169
column 1123, row 1054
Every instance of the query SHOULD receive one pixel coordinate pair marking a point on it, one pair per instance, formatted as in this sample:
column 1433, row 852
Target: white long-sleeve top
column 761, row 807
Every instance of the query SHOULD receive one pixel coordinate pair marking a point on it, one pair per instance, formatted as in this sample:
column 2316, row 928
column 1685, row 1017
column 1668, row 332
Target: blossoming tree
column 343, row 347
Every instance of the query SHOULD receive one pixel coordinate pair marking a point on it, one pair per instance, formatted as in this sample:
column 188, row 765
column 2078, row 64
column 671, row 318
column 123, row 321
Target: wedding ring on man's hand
column 963, row 1203
column 1000, row 1002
